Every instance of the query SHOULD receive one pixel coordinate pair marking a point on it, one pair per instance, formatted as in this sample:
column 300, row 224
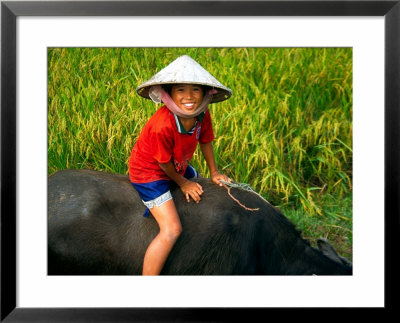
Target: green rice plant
column 287, row 129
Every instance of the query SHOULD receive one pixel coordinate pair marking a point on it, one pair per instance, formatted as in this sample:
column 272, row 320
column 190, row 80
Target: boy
column 166, row 145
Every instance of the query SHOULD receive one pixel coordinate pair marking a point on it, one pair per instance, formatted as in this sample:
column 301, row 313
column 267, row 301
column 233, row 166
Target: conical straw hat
column 185, row 70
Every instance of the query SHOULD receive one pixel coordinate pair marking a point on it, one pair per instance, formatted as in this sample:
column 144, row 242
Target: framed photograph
column 32, row 33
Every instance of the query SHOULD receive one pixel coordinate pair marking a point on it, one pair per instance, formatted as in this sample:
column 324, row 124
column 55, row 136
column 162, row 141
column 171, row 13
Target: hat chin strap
column 158, row 94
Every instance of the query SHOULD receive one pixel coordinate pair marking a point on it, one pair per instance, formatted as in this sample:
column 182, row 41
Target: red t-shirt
column 160, row 141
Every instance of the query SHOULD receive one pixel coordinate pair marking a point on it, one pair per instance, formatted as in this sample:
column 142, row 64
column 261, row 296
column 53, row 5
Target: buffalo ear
column 326, row 248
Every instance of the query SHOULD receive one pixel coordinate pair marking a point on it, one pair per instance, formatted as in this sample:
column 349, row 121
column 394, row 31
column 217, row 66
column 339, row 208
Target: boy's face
column 187, row 96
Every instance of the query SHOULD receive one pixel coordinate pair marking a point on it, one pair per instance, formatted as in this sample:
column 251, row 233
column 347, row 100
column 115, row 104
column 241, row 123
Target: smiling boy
column 166, row 145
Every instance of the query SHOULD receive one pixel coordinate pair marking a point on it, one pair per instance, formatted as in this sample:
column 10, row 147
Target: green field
column 286, row 130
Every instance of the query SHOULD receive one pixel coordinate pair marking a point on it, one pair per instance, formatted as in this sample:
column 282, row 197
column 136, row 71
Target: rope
column 242, row 186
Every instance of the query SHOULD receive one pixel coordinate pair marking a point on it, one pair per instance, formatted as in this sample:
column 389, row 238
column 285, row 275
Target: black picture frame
column 10, row 10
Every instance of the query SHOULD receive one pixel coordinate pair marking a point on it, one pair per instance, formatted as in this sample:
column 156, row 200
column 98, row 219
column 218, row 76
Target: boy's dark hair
column 168, row 88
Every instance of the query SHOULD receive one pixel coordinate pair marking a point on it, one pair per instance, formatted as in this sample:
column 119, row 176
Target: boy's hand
column 192, row 190
column 216, row 177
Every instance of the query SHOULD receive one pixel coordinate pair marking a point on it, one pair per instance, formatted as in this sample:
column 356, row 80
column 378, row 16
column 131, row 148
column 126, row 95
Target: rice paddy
column 286, row 131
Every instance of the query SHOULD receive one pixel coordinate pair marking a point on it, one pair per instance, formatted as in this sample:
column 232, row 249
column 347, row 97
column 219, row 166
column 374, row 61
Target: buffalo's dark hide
column 96, row 227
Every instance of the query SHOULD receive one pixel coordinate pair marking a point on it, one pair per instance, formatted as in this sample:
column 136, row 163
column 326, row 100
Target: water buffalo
column 96, row 227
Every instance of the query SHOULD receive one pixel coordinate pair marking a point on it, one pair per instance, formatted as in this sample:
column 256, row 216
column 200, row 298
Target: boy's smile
column 187, row 96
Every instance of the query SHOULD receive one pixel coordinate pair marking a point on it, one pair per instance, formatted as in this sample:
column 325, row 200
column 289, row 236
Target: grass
column 287, row 129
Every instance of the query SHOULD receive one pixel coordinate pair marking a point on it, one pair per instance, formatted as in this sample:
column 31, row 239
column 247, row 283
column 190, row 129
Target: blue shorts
column 157, row 192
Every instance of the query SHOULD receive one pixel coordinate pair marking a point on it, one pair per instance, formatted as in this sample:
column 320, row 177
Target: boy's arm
column 189, row 188
column 208, row 153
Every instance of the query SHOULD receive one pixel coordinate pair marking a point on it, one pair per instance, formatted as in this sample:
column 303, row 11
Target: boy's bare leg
column 170, row 228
